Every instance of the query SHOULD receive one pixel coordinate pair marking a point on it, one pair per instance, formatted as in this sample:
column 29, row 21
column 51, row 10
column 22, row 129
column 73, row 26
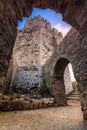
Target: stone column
column 83, row 72
column 7, row 36
column 58, row 92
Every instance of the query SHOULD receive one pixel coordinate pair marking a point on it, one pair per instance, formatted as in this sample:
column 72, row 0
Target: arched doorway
column 73, row 13
column 71, row 86
column 59, row 87
column 69, row 80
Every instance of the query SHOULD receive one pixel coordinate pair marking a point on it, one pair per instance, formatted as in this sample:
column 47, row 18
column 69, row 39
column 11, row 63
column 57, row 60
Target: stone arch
column 58, row 89
column 60, row 67
column 24, row 8
column 74, row 13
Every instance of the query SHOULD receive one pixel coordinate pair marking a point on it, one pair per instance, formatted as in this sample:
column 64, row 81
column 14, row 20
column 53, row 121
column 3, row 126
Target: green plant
column 44, row 91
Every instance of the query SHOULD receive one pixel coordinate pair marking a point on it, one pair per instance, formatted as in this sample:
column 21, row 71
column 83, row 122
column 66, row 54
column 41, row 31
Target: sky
column 54, row 18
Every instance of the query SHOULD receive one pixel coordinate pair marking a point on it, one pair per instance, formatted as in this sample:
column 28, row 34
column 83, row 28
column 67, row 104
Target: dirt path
column 62, row 118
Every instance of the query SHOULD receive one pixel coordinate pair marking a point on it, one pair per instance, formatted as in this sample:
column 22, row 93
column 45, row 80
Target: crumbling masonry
column 73, row 48
column 35, row 44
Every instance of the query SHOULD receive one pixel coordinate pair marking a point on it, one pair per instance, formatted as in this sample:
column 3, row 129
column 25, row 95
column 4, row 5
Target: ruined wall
column 27, row 53
column 74, row 13
column 7, row 39
column 34, row 45
column 12, row 11
column 69, row 51
column 55, row 66
column 11, row 74
column 67, row 81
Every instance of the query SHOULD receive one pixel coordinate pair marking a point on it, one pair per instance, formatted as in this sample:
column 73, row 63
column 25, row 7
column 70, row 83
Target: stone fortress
column 34, row 46
column 73, row 48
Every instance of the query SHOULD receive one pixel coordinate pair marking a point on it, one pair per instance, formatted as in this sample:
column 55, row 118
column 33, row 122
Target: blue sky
column 54, row 18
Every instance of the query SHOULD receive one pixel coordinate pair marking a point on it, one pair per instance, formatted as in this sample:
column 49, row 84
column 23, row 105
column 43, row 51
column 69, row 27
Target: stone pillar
column 12, row 70
column 83, row 74
column 58, row 92
column 7, row 37
column 58, row 88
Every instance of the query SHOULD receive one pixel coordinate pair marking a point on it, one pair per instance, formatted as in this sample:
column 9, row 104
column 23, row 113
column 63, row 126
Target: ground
column 59, row 118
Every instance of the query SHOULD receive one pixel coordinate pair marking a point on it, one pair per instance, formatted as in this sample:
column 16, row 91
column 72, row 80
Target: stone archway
column 68, row 49
column 59, row 86
column 58, row 89
column 74, row 13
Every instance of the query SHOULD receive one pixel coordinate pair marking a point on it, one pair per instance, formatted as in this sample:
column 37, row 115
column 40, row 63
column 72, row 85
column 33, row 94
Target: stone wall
column 73, row 12
column 67, row 81
column 26, row 79
column 27, row 53
column 11, row 74
column 34, row 46
column 12, row 11
column 69, row 51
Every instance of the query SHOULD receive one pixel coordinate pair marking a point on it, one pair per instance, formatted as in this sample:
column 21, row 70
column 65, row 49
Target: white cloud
column 64, row 30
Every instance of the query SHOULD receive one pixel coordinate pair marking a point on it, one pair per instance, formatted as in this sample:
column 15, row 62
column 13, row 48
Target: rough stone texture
column 9, row 103
column 11, row 74
column 34, row 46
column 67, row 81
column 74, row 13
column 11, row 11
column 67, row 52
column 7, row 37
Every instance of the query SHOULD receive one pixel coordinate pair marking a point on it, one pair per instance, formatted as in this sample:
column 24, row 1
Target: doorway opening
column 64, row 86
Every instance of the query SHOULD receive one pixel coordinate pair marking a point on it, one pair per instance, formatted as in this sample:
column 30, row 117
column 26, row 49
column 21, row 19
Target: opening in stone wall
column 69, row 79
column 36, row 44
column 65, row 86
column 68, row 10
column 74, row 21
column 71, row 85
column 21, row 55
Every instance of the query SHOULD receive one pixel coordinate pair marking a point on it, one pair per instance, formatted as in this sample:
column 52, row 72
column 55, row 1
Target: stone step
column 73, row 98
column 75, row 94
